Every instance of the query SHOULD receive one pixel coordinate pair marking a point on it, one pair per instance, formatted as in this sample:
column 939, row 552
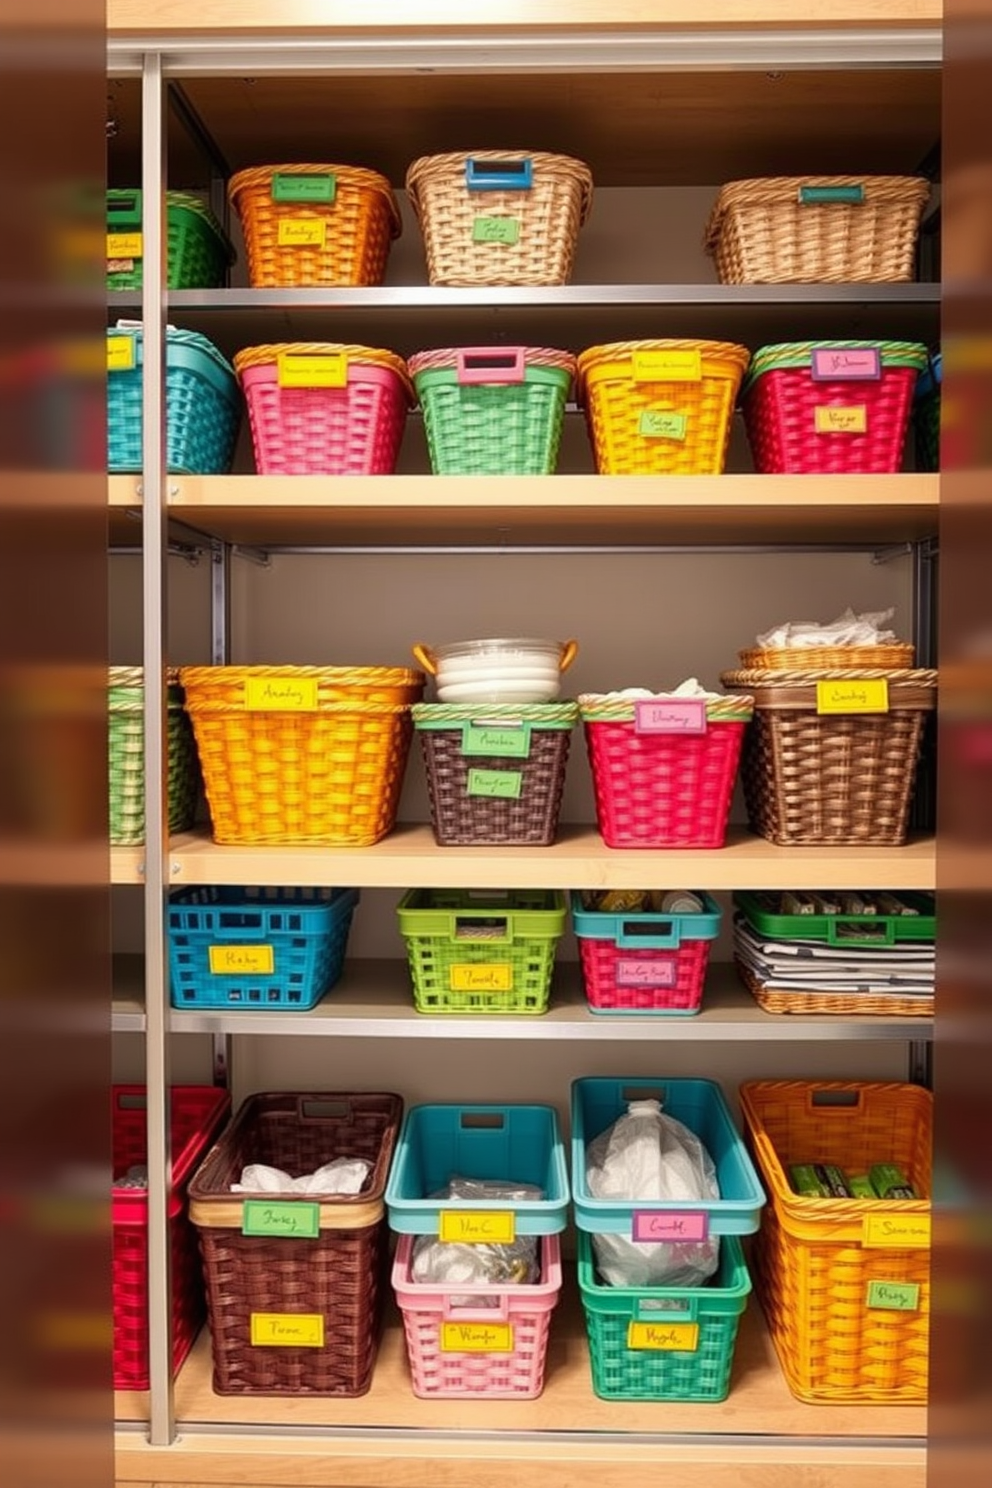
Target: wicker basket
column 847, row 1306
column 893, row 656
column 499, row 217
column 324, row 1285
column 323, row 408
column 311, row 225
column 814, row 777
column 202, row 403
column 660, row 407
column 198, row 252
column 828, row 230
column 493, row 410
column 837, row 1004
column 126, row 703
column 297, row 755
column 926, row 416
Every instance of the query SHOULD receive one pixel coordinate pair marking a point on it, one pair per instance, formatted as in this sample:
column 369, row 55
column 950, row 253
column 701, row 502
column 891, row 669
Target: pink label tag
column 840, row 364
column 654, row 973
column 670, row 716
column 651, row 1225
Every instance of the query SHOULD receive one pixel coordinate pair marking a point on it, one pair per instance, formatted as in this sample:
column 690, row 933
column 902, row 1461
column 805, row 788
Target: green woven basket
column 199, row 253
column 127, row 759
column 493, row 410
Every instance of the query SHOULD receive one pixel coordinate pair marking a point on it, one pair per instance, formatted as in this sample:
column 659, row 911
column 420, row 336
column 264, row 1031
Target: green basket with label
column 485, row 951
column 199, row 252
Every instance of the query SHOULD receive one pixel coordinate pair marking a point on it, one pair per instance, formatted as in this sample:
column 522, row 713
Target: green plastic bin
column 199, row 252
column 840, row 930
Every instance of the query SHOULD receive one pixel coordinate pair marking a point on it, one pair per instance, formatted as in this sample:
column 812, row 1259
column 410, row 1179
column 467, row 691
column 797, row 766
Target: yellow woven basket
column 845, row 1283
column 302, row 755
column 660, row 407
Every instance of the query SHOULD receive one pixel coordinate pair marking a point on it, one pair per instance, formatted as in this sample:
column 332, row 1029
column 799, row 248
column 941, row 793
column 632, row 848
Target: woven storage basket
column 926, row 416
column 311, row 225
column 813, row 778
column 499, row 217
column 845, row 1283
column 198, row 251
column 202, row 403
column 493, row 410
column 126, row 702
column 893, row 656
column 660, row 407
column 637, row 962
column 663, row 789
column 326, row 770
column 333, row 1280
column 827, row 407
column 323, row 408
column 495, row 772
column 827, row 230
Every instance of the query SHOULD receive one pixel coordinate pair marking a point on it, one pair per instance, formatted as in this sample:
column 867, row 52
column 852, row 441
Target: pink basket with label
column 493, row 1349
column 321, row 408
column 664, row 768
column 636, row 961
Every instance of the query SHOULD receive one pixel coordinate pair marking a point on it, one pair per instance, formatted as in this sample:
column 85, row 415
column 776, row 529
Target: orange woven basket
column 308, row 225
column 845, row 1283
column 302, row 755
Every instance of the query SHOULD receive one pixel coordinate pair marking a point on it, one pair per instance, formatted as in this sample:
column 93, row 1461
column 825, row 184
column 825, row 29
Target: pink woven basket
column 673, row 980
column 514, row 1320
column 321, row 409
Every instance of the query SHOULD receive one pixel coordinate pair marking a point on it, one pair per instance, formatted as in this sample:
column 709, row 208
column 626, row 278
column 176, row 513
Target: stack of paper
column 905, row 969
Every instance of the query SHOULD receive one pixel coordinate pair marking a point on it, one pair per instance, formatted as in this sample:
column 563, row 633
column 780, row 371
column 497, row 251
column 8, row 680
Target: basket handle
column 131, row 1100
column 822, row 196
column 491, row 917
column 570, row 650
column 425, row 656
column 482, row 364
column 251, row 922
column 499, row 175
column 317, row 1111
column 686, row 1310
column 885, row 933
column 125, row 210
column 498, row 1314
column 833, row 1103
column 667, row 933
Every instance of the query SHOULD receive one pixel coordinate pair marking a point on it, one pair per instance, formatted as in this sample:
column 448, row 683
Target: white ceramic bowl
column 508, row 690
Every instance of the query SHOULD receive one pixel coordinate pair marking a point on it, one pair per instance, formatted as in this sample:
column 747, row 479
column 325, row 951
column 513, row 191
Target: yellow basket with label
column 302, row 755
column 660, row 407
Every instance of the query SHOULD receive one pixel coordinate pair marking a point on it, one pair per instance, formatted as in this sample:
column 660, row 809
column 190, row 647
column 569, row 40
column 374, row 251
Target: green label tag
column 894, row 1296
column 507, row 783
column 291, row 1221
column 506, row 741
column 662, row 425
column 495, row 230
column 304, row 188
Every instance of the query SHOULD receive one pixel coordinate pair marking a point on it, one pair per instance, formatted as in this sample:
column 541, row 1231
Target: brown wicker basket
column 831, row 230
column 821, row 659
column 853, row 1004
column 815, row 779
column 332, row 1284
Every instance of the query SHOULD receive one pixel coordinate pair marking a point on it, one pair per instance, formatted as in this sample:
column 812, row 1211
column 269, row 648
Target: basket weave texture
column 848, row 1004
column 198, row 253
column 125, row 702
column 893, row 656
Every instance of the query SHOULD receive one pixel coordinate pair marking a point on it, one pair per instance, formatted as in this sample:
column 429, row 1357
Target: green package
column 805, row 1181
column 860, row 1186
column 890, row 1182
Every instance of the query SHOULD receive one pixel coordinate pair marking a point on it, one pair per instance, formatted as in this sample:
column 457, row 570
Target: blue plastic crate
column 256, row 948
column 699, row 1105
column 520, row 1144
column 202, row 401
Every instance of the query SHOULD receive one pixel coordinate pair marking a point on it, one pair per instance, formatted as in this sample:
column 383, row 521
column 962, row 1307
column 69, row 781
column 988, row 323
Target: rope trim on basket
column 445, row 359
column 361, row 356
column 784, row 190
column 915, row 677
column 544, row 715
column 733, row 709
column 354, row 176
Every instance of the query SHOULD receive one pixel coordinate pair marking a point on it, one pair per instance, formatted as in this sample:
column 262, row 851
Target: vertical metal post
column 220, row 602
column 154, row 559
column 924, row 602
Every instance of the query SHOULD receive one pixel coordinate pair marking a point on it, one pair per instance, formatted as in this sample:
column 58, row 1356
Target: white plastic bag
column 342, row 1176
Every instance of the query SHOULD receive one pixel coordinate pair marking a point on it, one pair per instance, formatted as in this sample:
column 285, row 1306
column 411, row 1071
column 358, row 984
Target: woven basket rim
column 797, row 356
column 440, row 165
column 351, row 175
column 774, row 190
column 356, row 354
column 733, row 708
column 445, row 358
column 618, row 351
column 787, row 658
column 451, row 715
column 895, row 676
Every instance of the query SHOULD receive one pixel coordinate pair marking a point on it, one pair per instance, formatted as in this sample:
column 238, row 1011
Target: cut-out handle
column 124, row 210
column 847, row 933
column 499, row 175
column 315, row 1110
column 643, row 1092
column 649, row 933
column 482, row 1120
column 482, row 364
column 835, row 1100
column 480, row 921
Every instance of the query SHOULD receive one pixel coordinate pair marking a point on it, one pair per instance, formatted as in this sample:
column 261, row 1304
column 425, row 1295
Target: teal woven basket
column 493, row 410
column 203, row 403
column 926, row 416
column 199, row 252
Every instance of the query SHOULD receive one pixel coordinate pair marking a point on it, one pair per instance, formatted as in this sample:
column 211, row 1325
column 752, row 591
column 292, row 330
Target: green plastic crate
column 127, row 759
column 199, row 253
column 841, row 930
column 457, row 963
column 683, row 1337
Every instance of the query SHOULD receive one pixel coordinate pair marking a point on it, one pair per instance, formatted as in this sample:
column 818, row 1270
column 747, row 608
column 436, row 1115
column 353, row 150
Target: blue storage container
column 699, row 1105
column 202, row 400
column 516, row 1144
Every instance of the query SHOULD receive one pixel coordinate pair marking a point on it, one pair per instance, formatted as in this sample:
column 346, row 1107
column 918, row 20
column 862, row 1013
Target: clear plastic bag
column 450, row 1263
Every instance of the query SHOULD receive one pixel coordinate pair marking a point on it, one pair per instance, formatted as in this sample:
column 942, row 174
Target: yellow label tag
column 459, row 1226
column 301, row 232
column 680, row 1338
column 870, row 696
column 287, row 1329
column 841, row 420
column 896, row 1232
column 281, row 694
column 328, row 370
column 125, row 245
column 494, row 976
column 668, row 366
column 120, row 353
column 235, row 960
column 477, row 1338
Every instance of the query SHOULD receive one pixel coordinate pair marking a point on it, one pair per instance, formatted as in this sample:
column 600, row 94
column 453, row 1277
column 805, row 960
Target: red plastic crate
column 645, row 962
column 197, row 1114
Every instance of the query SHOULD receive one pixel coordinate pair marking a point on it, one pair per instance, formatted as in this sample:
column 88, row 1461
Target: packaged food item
column 890, row 1182
column 858, row 904
column 622, row 901
column 796, row 904
column 888, row 904
column 681, row 901
column 860, row 1186
column 835, row 1180
column 806, row 1181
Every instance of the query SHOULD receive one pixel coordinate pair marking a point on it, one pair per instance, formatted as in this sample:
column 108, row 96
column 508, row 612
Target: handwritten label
column 655, row 425
column 125, row 245
column 670, row 716
column 492, row 976
column 894, row 1296
column 896, row 1232
column 235, row 960
column 682, row 1338
column 120, row 353
column 496, row 230
column 459, row 1226
column 660, row 971
column 287, row 1329
column 281, row 694
column 506, row 784
column 667, row 366
column 304, row 188
column 870, row 696
column 853, row 420
column 477, row 1338
column 649, row 1224
column 504, row 741
column 301, row 232
column 292, row 1221
column 846, row 364
column 328, row 370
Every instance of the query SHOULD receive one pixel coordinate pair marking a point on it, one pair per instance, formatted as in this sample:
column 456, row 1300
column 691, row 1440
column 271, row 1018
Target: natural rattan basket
column 894, row 656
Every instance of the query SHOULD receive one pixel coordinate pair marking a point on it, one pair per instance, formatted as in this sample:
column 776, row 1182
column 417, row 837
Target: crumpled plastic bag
column 648, row 1155
column 345, row 1175
column 453, row 1264
column 690, row 688
column 848, row 629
